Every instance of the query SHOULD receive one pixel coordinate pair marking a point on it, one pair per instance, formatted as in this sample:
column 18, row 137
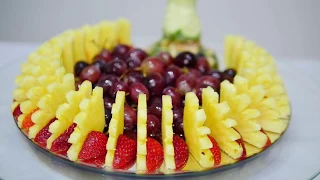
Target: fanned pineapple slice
column 221, row 127
column 108, row 34
column 196, row 133
column 142, row 134
column 91, row 42
column 90, row 118
column 124, row 31
column 66, row 112
column 245, row 116
column 115, row 127
column 79, row 45
column 167, row 132
column 49, row 103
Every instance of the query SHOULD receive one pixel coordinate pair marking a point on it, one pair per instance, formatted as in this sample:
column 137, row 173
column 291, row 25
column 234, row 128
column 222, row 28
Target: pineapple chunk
column 115, row 127
column 90, row 118
column 196, row 133
column 221, row 127
column 49, row 103
column 228, row 44
column 225, row 159
column 251, row 150
column 142, row 134
column 272, row 136
column 167, row 132
column 108, row 35
column 67, row 52
column 124, row 31
column 79, row 45
column 66, row 112
column 91, row 42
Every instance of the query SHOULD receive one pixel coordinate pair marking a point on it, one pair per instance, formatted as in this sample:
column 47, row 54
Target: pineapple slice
column 108, row 35
column 142, row 134
column 49, row 103
column 90, row 118
column 196, row 133
column 79, row 45
column 115, row 127
column 67, row 52
column 251, row 150
column 221, row 127
column 66, row 112
column 124, row 31
column 167, row 132
column 245, row 116
column 91, row 42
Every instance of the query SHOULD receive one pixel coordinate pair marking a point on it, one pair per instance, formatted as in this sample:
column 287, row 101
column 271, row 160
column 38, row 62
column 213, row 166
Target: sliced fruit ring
column 221, row 127
column 90, row 118
column 115, row 127
column 66, row 112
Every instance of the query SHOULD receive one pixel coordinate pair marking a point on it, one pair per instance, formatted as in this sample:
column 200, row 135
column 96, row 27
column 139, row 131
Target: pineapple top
column 167, row 132
column 142, row 133
column 116, row 126
column 66, row 112
column 195, row 132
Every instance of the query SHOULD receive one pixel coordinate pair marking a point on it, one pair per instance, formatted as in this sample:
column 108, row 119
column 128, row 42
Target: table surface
column 296, row 156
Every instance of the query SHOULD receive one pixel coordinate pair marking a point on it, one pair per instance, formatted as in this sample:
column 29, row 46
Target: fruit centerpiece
column 88, row 95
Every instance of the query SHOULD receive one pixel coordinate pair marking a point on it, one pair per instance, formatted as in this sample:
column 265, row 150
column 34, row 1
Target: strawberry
column 215, row 151
column 61, row 145
column 27, row 122
column 16, row 112
column 244, row 153
column 94, row 146
column 154, row 156
column 181, row 152
column 98, row 161
column 126, row 151
column 43, row 135
column 268, row 141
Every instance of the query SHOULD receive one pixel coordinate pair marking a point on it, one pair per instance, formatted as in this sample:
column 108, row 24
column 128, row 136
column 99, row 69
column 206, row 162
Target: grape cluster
column 131, row 70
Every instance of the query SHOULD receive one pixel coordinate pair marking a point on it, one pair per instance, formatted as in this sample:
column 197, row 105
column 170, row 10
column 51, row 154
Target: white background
column 287, row 28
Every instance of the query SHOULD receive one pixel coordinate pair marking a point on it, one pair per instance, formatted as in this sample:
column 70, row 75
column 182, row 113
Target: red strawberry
column 181, row 152
column 99, row 161
column 94, row 146
column 16, row 112
column 27, row 122
column 154, row 154
column 126, row 151
column 244, row 153
column 215, row 151
column 61, row 145
column 268, row 141
column 43, row 135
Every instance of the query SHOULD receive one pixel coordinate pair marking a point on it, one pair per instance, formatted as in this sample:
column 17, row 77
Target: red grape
column 133, row 63
column 118, row 86
column 166, row 58
column 107, row 117
column 178, row 127
column 198, row 91
column 171, row 74
column 90, row 73
column 133, row 77
column 194, row 72
column 137, row 88
column 152, row 65
column 202, row 65
column 108, row 102
column 130, row 117
column 107, row 81
column 153, row 125
column 120, row 51
column 103, row 55
column 77, row 84
column 101, row 64
column 216, row 74
column 230, row 72
column 228, row 78
column 185, row 59
column 185, row 83
column 155, row 106
column 137, row 54
column 175, row 96
column 155, row 84
column 177, row 114
column 79, row 66
column 117, row 67
column 209, row 81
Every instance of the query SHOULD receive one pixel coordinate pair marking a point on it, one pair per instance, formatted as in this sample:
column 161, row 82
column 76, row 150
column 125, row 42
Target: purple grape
column 104, row 55
column 177, row 114
column 120, row 51
column 107, row 118
column 230, row 72
column 209, row 81
column 118, row 86
column 178, row 127
column 137, row 88
column 130, row 117
column 133, row 77
column 185, row 83
column 155, row 106
column 137, row 54
column 166, row 58
column 216, row 74
column 153, row 125
column 116, row 67
column 175, row 96
column 186, row 58
column 202, row 65
column 152, row 65
column 171, row 74
column 90, row 73
column 108, row 102
column 194, row 72
column 155, row 84
column 101, row 64
column 107, row 81
column 133, row 63
column 79, row 66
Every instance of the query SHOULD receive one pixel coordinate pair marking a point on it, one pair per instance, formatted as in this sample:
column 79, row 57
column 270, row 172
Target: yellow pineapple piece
column 115, row 127
column 67, row 52
column 91, row 42
column 228, row 45
column 273, row 136
column 167, row 132
column 251, row 150
column 142, row 134
column 79, row 45
column 196, row 133
column 221, row 127
column 108, row 34
column 49, row 103
column 225, row 159
column 66, row 112
column 124, row 31
column 245, row 116
column 90, row 118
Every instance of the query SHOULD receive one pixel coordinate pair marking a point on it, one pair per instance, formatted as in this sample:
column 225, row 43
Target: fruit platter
column 90, row 97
